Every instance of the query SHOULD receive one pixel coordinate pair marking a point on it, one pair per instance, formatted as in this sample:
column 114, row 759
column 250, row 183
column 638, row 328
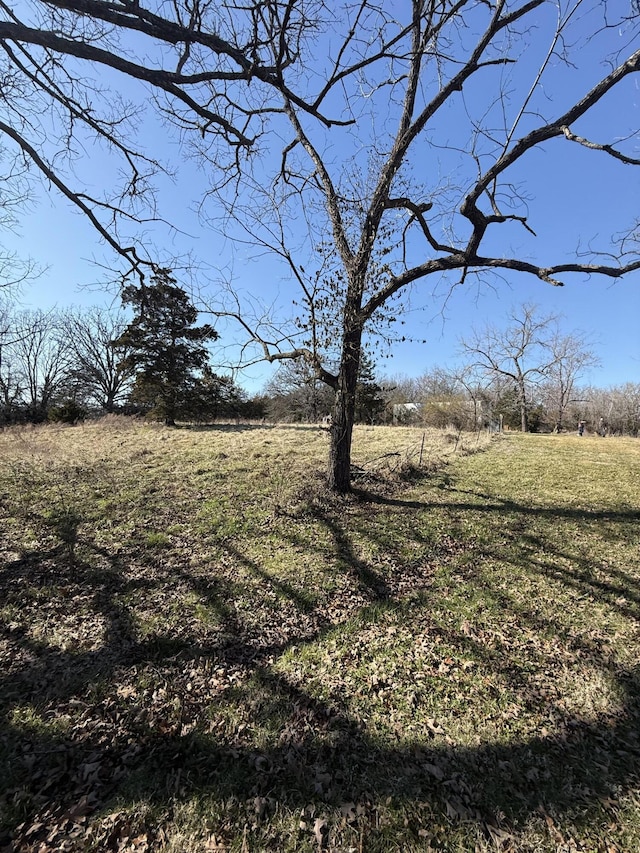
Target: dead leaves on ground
column 319, row 697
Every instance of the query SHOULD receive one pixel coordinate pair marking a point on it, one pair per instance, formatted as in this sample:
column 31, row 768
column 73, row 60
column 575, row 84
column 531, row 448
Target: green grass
column 202, row 650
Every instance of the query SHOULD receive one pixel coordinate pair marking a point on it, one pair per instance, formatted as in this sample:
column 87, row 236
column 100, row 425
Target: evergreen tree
column 370, row 401
column 166, row 348
column 210, row 396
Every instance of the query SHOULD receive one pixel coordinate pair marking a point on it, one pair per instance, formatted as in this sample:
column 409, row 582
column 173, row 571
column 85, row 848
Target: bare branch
column 538, row 136
column 248, row 65
column 608, row 149
column 167, row 81
column 417, row 213
column 129, row 253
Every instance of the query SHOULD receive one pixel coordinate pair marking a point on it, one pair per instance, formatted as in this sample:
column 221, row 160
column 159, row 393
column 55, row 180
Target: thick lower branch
column 168, row 81
column 311, row 359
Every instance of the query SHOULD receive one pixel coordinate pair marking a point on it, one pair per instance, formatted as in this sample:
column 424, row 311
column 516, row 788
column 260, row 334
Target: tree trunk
column 524, row 416
column 170, row 411
column 170, row 406
column 339, row 473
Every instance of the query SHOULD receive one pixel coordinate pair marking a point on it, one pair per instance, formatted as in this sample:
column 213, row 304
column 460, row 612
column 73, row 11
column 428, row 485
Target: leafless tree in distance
column 98, row 370
column 572, row 358
column 42, row 354
column 526, row 353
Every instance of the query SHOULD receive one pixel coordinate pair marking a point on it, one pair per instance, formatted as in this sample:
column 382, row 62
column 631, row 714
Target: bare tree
column 11, row 385
column 571, row 356
column 431, row 90
column 99, row 371
column 43, row 359
column 531, row 352
column 616, row 408
column 626, row 400
column 403, row 135
column 520, row 354
column 471, row 379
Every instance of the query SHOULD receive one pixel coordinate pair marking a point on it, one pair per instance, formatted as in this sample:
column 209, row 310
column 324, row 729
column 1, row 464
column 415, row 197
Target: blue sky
column 577, row 196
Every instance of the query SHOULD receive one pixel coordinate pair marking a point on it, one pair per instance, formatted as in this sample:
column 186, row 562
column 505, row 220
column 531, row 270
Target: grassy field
column 202, row 650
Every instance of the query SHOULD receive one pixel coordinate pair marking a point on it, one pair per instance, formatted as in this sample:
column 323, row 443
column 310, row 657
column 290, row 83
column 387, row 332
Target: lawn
column 203, row 650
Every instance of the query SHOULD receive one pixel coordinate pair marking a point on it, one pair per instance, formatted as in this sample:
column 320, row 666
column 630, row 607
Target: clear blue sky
column 580, row 210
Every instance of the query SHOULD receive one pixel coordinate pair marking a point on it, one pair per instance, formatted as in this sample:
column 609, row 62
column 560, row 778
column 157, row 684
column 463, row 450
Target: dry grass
column 202, row 650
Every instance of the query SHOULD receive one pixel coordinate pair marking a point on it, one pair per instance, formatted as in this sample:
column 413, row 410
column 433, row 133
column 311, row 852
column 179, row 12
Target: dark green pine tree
column 369, row 401
column 166, row 348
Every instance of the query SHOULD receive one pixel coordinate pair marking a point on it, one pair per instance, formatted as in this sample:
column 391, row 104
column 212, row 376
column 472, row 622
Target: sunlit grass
column 239, row 660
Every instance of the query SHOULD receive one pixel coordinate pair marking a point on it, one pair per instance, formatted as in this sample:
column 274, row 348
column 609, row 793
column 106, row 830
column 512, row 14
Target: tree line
column 445, row 401
column 66, row 364
column 445, row 398
column 525, row 373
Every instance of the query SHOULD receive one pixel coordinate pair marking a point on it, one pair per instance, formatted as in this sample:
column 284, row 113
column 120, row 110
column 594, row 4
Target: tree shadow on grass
column 364, row 575
column 209, row 713
column 326, row 759
column 489, row 504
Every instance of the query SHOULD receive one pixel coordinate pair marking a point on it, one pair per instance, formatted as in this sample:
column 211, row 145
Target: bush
column 68, row 412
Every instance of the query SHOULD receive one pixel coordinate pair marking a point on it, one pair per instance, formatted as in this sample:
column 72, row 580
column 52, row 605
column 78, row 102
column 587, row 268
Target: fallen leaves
column 348, row 674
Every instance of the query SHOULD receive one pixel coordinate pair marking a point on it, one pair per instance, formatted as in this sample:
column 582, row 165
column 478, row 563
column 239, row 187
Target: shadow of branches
column 112, row 691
